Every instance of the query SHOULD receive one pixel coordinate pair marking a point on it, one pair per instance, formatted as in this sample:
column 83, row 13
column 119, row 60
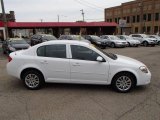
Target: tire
column 159, row 43
column 112, row 45
column 119, row 82
column 145, row 43
column 103, row 47
column 33, row 79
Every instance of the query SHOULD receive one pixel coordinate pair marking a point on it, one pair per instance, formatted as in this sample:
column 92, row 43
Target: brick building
column 142, row 16
column 9, row 16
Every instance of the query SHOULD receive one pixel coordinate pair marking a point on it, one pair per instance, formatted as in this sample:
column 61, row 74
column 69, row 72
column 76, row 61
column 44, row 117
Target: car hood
column 129, row 61
column 133, row 41
column 150, row 39
column 23, row 46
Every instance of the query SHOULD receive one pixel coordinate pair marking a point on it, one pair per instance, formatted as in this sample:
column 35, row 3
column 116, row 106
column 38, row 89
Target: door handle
column 43, row 62
column 76, row 64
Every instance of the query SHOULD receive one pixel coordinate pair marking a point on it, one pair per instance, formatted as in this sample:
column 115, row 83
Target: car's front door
column 54, row 63
column 84, row 66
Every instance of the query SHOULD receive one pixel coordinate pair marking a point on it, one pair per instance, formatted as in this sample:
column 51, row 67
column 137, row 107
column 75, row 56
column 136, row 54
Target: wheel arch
column 128, row 72
column 28, row 69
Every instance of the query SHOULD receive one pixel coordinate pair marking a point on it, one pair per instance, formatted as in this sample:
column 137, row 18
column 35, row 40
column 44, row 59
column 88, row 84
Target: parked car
column 131, row 42
column 155, row 37
column 73, row 37
column 144, row 39
column 96, row 40
column 14, row 44
column 114, row 41
column 39, row 38
column 64, row 61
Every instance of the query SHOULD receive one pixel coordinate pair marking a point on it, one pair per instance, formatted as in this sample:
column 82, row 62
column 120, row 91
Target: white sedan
column 63, row 61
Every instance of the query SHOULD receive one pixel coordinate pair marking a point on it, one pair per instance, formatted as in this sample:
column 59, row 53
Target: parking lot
column 83, row 102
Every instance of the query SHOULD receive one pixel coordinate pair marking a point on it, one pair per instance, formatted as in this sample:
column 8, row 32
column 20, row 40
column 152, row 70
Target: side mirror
column 99, row 59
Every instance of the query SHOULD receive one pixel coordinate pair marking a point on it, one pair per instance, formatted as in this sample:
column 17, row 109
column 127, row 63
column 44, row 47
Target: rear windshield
column 49, row 37
column 18, row 42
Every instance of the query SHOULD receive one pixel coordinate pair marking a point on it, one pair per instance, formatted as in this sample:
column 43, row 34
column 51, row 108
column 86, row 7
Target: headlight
column 12, row 49
column 143, row 69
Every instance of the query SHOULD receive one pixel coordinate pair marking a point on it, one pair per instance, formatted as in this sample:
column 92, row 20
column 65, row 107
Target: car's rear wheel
column 159, row 43
column 33, row 79
column 123, row 82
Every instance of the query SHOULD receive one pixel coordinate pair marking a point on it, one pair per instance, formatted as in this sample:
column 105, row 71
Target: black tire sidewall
column 145, row 43
column 112, row 45
column 39, row 75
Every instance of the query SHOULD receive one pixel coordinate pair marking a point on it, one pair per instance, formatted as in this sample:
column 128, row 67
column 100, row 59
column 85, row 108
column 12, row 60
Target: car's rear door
column 54, row 63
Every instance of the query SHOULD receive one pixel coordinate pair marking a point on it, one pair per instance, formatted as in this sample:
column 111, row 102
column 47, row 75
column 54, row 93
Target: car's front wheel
column 145, row 43
column 113, row 45
column 33, row 79
column 123, row 82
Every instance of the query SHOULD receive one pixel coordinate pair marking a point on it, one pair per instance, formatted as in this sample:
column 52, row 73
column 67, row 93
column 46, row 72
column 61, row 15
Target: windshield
column 18, row 42
column 77, row 37
column 114, row 38
column 128, row 37
column 110, row 55
column 95, row 37
column 49, row 37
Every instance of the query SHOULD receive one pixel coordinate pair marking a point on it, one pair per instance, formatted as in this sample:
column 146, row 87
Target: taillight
column 9, row 59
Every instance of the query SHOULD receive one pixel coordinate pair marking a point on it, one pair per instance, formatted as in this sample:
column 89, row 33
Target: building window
column 128, row 19
column 116, row 20
column 134, row 19
column 149, row 17
column 110, row 20
column 156, row 16
column 148, row 29
column 136, row 30
column 144, row 17
column 138, row 18
column 155, row 29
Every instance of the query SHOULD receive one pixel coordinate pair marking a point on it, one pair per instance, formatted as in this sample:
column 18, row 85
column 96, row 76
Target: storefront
column 27, row 29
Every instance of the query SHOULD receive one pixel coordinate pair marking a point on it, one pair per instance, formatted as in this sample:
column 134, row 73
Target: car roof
column 10, row 39
column 64, row 42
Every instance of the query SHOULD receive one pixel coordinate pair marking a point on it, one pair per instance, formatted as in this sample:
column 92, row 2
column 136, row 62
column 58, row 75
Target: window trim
column 70, row 51
column 52, row 57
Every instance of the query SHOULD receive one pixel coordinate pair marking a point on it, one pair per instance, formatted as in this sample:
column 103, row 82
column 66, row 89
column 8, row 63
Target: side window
column 83, row 53
column 55, row 51
column 106, row 37
column 41, row 51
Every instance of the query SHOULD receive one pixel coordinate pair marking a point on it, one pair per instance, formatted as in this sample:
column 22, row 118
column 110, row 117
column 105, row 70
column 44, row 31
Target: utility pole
column 58, row 17
column 4, row 18
column 82, row 14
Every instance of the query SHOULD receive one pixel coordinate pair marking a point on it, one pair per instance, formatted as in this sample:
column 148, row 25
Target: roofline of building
column 57, row 24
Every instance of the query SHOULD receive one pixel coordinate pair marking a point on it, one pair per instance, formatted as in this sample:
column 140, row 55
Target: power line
column 92, row 4
column 82, row 3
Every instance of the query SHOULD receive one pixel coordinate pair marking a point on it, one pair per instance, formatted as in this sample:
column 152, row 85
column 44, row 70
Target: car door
column 84, row 66
column 54, row 62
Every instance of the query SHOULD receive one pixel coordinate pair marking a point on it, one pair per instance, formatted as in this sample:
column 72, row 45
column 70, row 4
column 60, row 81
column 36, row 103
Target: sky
column 67, row 10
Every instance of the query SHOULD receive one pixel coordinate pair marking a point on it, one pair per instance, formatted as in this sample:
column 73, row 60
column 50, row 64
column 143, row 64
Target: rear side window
column 55, row 51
